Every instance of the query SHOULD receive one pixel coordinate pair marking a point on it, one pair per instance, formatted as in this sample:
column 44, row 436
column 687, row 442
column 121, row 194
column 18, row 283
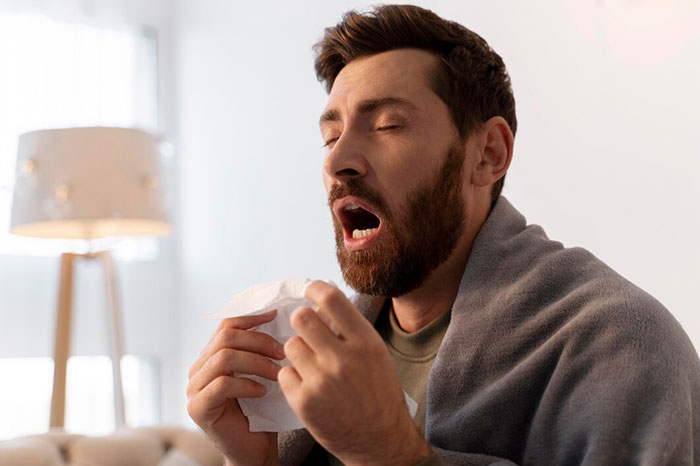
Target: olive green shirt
column 413, row 355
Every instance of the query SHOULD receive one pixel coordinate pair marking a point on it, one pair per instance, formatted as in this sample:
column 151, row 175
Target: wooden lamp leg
column 62, row 341
column 116, row 341
column 63, row 336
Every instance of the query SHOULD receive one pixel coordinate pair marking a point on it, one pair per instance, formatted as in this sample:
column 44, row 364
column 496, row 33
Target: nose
column 346, row 160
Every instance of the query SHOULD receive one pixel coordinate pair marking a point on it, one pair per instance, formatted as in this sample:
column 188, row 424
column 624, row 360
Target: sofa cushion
column 143, row 446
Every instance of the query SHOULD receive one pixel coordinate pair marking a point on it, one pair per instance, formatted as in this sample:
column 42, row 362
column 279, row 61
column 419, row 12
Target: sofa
column 142, row 446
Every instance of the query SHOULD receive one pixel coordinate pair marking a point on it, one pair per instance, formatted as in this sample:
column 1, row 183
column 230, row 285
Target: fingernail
column 269, row 313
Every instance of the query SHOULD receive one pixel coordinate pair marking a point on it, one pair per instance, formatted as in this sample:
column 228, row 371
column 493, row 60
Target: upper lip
column 340, row 205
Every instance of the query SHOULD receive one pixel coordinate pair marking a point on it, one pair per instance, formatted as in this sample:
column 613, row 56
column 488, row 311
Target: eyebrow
column 367, row 106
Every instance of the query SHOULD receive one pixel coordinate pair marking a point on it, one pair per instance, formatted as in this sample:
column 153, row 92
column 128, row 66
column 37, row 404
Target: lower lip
column 358, row 244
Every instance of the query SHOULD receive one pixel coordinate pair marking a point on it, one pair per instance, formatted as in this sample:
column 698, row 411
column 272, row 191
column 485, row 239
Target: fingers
column 301, row 356
column 227, row 335
column 245, row 340
column 246, row 322
column 333, row 303
column 225, row 387
column 228, row 361
column 204, row 404
column 290, row 381
column 315, row 332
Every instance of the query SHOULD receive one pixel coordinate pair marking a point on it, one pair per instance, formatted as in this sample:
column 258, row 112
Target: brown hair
column 472, row 79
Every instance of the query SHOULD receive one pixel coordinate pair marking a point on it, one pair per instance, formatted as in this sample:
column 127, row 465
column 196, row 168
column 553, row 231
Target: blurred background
column 606, row 157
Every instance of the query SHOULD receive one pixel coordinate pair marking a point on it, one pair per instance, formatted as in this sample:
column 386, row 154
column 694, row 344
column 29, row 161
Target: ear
column 495, row 146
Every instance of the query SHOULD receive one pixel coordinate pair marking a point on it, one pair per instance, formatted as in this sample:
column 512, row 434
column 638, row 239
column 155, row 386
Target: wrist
column 418, row 453
column 409, row 451
column 414, row 448
column 272, row 458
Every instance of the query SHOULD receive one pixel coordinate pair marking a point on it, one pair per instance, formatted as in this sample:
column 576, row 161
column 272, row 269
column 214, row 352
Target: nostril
column 347, row 172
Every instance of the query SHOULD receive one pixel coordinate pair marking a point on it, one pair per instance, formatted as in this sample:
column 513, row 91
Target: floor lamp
column 87, row 183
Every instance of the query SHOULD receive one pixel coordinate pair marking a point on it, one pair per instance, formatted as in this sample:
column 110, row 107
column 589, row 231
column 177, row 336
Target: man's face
column 393, row 172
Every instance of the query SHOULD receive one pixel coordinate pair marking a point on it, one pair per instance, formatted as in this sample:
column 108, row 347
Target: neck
column 418, row 308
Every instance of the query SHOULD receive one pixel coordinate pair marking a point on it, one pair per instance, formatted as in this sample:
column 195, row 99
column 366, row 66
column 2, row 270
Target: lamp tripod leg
column 62, row 341
column 116, row 339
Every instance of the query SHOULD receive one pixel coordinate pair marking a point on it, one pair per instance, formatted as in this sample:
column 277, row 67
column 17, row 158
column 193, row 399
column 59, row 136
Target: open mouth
column 357, row 219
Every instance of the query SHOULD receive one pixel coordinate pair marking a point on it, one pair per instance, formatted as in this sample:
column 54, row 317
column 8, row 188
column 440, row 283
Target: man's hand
column 345, row 388
column 213, row 388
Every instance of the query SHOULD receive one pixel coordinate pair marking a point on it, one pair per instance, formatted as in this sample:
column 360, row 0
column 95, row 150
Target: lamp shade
column 88, row 183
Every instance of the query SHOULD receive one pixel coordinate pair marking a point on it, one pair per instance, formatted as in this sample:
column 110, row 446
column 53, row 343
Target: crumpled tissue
column 272, row 413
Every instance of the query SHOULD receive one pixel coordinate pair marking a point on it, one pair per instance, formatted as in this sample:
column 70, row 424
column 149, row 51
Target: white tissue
column 271, row 413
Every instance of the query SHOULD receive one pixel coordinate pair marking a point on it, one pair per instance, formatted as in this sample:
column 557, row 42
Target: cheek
column 407, row 171
column 394, row 191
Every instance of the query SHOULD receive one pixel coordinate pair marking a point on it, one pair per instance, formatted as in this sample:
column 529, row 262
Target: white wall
column 606, row 154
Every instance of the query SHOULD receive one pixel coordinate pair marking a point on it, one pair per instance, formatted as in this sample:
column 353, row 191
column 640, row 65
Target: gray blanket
column 552, row 358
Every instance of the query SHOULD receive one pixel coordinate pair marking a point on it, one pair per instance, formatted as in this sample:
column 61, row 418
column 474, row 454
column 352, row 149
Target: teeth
column 357, row 234
column 352, row 207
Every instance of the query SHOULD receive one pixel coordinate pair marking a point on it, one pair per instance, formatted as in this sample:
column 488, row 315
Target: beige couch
column 143, row 446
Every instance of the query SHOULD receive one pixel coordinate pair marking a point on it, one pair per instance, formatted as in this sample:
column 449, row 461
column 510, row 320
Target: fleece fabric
column 552, row 358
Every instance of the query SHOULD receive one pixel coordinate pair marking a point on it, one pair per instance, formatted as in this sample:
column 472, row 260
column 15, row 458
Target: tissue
column 271, row 413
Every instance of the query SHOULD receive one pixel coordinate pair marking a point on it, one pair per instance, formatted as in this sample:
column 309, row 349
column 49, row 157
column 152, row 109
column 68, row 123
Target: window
column 25, row 394
column 57, row 73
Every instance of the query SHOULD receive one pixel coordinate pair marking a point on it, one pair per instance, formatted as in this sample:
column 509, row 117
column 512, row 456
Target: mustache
column 359, row 190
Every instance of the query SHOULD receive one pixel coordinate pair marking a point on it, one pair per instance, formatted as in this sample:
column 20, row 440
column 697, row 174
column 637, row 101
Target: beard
column 416, row 239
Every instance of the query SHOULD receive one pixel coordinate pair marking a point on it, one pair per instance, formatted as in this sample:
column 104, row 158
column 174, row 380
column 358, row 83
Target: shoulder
column 567, row 295
column 601, row 305
column 606, row 323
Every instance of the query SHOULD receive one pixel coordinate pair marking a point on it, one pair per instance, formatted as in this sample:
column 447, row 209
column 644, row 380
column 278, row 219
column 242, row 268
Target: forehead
column 403, row 73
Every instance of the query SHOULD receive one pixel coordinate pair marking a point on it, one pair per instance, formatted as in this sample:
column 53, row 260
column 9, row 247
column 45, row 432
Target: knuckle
column 315, row 286
column 301, row 315
column 283, row 374
column 232, row 322
column 196, row 409
column 220, row 384
column 320, row 386
column 325, row 296
column 192, row 410
column 337, row 369
column 192, row 371
column 328, row 297
column 227, row 336
column 289, row 347
column 224, row 357
column 295, row 318
column 190, row 390
column 292, row 345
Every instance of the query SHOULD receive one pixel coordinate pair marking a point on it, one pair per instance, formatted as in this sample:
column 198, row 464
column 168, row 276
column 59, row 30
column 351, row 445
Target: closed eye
column 329, row 142
column 380, row 128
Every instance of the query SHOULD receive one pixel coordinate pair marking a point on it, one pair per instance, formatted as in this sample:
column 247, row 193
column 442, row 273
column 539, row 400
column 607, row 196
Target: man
column 516, row 350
